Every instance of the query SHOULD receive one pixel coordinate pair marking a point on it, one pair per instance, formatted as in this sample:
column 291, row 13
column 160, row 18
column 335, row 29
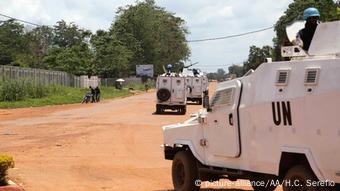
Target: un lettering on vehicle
column 282, row 114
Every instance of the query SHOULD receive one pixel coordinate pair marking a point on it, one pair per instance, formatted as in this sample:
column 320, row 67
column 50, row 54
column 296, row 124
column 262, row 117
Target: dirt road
column 112, row 145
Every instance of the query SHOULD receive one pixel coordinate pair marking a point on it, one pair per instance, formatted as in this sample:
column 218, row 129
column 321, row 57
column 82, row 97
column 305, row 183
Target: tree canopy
column 219, row 75
column 152, row 34
column 12, row 41
column 143, row 33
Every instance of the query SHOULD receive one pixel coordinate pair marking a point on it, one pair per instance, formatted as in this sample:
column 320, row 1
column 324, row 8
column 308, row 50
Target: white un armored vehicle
column 277, row 125
column 171, row 93
column 197, row 84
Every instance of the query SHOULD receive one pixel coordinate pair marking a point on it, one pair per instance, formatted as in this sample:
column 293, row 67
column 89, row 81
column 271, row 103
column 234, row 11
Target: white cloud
column 211, row 14
column 204, row 19
column 225, row 11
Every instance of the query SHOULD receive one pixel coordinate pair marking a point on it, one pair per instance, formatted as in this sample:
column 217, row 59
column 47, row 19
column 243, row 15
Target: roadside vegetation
column 140, row 86
column 24, row 93
column 6, row 162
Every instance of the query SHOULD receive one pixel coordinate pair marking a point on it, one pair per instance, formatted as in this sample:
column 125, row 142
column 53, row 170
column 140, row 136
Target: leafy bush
column 17, row 90
column 58, row 89
column 58, row 94
column 6, row 162
column 12, row 90
column 35, row 90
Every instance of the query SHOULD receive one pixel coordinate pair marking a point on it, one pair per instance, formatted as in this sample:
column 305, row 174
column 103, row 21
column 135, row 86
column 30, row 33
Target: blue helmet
column 311, row 12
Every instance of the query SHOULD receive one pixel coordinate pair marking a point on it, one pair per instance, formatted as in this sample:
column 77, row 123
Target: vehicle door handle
column 231, row 121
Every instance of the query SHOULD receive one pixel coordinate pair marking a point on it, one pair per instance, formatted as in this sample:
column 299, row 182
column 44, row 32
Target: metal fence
column 47, row 77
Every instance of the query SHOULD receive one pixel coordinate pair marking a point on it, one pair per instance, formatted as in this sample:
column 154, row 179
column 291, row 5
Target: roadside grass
column 58, row 95
column 139, row 86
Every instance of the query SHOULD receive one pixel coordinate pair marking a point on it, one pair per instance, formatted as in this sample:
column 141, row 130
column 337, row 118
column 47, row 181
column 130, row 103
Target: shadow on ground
column 167, row 113
column 193, row 103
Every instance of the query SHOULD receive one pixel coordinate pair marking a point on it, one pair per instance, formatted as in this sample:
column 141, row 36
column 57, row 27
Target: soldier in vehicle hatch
column 311, row 16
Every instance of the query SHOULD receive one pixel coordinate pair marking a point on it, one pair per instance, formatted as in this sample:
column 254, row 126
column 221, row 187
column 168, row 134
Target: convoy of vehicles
column 175, row 89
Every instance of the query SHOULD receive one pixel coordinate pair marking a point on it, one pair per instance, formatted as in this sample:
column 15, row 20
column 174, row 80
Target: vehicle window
column 223, row 97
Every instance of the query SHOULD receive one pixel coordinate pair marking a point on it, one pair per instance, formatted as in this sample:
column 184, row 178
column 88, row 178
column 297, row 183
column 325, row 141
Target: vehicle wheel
column 260, row 183
column 182, row 110
column 298, row 177
column 200, row 101
column 163, row 94
column 184, row 172
column 209, row 177
column 158, row 109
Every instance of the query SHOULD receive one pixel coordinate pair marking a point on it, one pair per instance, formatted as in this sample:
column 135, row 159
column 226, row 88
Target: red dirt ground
column 112, row 145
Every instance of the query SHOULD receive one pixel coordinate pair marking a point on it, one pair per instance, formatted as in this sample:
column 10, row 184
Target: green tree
column 67, row 35
column 70, row 50
column 211, row 76
column 12, row 41
column 112, row 57
column 328, row 11
column 236, row 70
column 257, row 56
column 152, row 34
column 77, row 59
column 221, row 74
column 40, row 41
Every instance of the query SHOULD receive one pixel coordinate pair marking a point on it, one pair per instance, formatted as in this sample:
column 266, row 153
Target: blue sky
column 204, row 19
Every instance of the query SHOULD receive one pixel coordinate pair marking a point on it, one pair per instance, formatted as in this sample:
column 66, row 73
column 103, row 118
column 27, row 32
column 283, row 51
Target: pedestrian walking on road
column 146, row 86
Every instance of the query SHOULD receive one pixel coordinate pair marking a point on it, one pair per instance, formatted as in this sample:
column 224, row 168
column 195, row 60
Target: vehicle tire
column 298, row 177
column 206, row 92
column 190, row 89
column 203, row 176
column 205, row 101
column 200, row 101
column 179, row 111
column 158, row 109
column 257, row 186
column 163, row 94
column 183, row 110
column 184, row 172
